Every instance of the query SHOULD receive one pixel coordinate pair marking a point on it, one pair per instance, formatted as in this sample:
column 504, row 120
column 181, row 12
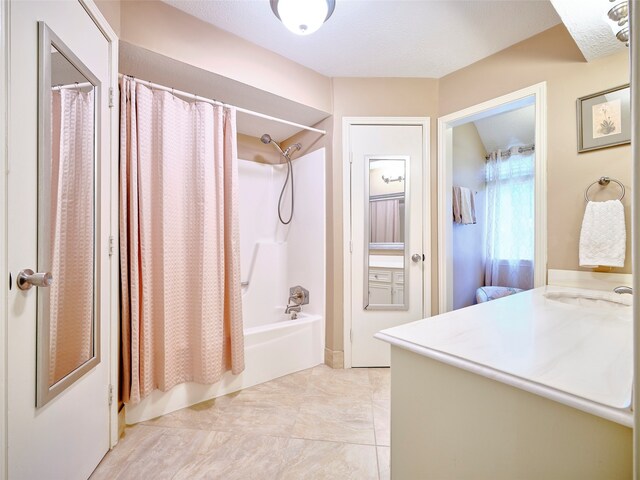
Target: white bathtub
column 271, row 351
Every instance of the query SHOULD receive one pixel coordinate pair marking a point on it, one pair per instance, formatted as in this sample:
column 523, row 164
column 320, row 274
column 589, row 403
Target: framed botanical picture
column 604, row 119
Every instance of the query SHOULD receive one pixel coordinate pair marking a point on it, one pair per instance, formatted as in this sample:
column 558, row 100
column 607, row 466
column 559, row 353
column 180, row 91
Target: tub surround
column 541, row 342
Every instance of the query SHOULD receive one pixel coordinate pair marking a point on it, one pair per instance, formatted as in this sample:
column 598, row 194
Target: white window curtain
column 510, row 219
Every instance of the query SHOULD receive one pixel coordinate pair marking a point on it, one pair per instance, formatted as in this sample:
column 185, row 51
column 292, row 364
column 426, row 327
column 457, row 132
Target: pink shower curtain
column 72, row 204
column 180, row 256
column 385, row 221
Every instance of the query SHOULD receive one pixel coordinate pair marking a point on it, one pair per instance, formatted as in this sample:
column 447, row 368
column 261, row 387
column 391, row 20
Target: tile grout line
column 307, row 392
column 375, row 435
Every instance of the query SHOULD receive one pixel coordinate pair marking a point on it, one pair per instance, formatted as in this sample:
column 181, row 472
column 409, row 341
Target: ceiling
column 386, row 38
column 513, row 128
column 588, row 24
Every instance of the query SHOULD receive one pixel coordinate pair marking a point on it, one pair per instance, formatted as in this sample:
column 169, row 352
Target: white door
column 68, row 434
column 387, row 254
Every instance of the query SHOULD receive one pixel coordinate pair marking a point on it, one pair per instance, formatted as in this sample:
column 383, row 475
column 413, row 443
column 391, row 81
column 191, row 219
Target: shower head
column 295, row 147
column 266, row 139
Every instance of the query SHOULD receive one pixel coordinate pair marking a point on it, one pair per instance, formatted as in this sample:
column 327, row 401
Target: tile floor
column 315, row 424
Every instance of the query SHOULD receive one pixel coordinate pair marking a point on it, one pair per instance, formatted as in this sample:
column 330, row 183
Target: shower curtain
column 71, row 230
column 180, row 254
column 385, row 221
column 510, row 219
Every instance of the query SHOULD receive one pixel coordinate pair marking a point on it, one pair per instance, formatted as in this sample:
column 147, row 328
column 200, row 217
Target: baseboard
column 121, row 422
column 334, row 358
column 590, row 280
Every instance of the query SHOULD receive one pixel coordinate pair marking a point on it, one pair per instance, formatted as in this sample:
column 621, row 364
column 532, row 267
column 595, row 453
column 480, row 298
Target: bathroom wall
column 552, row 56
column 273, row 256
column 166, row 30
column 111, row 10
column 468, row 240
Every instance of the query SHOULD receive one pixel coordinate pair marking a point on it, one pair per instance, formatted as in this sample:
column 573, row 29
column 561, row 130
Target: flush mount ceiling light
column 303, row 17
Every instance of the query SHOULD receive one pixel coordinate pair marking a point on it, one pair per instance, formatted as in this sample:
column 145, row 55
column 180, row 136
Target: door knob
column 416, row 257
column 27, row 279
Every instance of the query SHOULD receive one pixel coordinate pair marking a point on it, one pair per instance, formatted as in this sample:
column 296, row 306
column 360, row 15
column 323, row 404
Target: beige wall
column 377, row 186
column 111, row 11
column 468, row 240
column 163, row 29
column 552, row 56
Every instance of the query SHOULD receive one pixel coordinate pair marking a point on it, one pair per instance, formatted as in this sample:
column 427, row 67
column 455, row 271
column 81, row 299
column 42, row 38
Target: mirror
column 68, row 344
column 386, row 216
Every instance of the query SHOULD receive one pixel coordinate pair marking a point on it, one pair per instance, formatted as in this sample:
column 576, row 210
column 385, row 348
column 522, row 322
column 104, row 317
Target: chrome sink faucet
column 623, row 289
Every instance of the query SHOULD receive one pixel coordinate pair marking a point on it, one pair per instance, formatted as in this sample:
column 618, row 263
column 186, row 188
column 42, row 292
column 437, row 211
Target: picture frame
column 604, row 119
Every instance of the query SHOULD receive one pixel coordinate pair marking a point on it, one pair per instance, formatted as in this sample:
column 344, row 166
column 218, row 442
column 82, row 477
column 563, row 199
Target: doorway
column 496, row 246
column 386, row 229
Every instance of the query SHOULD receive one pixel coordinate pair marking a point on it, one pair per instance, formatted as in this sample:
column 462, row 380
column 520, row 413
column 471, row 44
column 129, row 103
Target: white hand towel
column 603, row 237
column 467, row 206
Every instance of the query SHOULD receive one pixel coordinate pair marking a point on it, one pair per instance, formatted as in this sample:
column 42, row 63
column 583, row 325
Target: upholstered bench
column 486, row 294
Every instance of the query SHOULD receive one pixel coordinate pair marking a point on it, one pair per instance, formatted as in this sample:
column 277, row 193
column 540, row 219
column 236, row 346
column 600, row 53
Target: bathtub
column 272, row 350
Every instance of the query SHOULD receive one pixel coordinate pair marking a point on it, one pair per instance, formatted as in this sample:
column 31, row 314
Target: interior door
column 387, row 257
column 58, row 343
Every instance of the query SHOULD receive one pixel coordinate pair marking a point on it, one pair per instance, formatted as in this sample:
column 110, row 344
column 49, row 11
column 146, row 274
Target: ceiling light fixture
column 303, row 17
column 619, row 15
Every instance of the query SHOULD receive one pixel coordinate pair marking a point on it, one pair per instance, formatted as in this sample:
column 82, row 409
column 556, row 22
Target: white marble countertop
column 575, row 354
column 386, row 261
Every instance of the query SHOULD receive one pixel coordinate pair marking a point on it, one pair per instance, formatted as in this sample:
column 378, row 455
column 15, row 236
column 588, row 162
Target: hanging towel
column 603, row 237
column 467, row 206
column 457, row 218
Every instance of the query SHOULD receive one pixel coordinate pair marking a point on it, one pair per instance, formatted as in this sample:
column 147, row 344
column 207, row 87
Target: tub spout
column 292, row 308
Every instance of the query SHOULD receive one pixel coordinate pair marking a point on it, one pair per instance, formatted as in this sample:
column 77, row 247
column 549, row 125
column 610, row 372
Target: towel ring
column 604, row 181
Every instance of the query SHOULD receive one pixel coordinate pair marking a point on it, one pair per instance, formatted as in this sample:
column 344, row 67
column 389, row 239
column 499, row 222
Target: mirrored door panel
column 67, row 323
column 386, row 207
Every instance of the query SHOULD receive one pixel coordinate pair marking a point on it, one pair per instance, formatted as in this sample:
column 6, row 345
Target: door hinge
column 350, row 157
column 350, row 246
column 111, row 245
column 110, row 97
column 110, row 395
column 351, row 335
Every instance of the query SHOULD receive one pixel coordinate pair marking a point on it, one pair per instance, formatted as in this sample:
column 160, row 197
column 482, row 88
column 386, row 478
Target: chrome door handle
column 416, row 257
column 27, row 279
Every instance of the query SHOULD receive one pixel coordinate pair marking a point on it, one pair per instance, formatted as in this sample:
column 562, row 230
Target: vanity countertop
column 386, row 261
column 578, row 355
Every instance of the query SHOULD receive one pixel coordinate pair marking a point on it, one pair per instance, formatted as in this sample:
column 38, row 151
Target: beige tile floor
column 315, row 424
